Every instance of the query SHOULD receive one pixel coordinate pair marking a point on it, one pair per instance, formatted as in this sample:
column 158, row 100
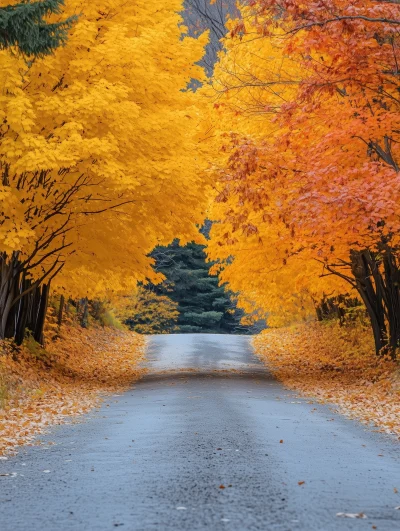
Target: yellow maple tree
column 101, row 154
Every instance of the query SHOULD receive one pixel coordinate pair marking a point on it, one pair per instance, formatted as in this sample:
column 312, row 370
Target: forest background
column 125, row 126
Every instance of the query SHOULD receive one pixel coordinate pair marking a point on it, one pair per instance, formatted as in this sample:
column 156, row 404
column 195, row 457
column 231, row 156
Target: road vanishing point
column 207, row 440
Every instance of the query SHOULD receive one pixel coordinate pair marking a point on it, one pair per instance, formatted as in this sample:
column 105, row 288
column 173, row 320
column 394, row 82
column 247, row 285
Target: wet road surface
column 208, row 415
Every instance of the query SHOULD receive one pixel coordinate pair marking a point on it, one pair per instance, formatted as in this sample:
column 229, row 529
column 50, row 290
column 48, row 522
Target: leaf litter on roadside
column 80, row 367
column 336, row 365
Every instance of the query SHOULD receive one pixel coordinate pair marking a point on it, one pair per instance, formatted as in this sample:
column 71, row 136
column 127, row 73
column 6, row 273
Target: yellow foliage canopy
column 101, row 155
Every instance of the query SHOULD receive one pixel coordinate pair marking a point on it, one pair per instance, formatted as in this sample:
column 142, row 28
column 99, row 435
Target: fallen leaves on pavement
column 351, row 515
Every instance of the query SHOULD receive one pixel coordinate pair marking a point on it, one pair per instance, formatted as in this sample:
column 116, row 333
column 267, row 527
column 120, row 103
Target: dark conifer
column 24, row 27
column 204, row 305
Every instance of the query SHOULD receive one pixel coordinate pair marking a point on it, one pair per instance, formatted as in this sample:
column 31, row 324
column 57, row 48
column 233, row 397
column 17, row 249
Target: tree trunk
column 335, row 308
column 377, row 279
column 362, row 267
column 60, row 311
column 41, row 316
column 85, row 314
column 10, row 278
column 23, row 313
column 392, row 277
column 20, row 312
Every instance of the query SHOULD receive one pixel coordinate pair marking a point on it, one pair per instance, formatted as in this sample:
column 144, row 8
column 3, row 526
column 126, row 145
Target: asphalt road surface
column 207, row 416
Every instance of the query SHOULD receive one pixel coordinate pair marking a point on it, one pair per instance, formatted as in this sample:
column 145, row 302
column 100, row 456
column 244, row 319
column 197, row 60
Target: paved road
column 155, row 457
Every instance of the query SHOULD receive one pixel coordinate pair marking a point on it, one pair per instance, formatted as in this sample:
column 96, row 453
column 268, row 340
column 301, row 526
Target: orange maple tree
column 329, row 176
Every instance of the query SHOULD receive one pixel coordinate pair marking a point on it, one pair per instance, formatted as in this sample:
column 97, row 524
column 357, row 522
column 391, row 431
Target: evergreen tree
column 203, row 305
column 23, row 25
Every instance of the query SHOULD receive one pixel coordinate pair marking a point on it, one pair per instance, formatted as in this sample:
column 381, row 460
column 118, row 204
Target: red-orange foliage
column 329, row 173
column 343, row 124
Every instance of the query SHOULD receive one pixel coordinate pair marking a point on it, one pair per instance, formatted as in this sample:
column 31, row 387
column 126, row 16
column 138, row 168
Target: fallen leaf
column 300, row 482
column 281, row 441
column 222, row 486
column 351, row 515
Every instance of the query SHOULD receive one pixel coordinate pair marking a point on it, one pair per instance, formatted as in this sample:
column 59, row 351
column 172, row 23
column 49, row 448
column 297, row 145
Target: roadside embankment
column 39, row 387
column 338, row 365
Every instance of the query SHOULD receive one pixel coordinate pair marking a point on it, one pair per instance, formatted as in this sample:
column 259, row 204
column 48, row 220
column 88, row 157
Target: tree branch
column 344, row 17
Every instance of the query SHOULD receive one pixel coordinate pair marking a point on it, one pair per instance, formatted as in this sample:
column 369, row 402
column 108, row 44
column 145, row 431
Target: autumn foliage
column 290, row 146
column 147, row 312
column 100, row 156
column 306, row 104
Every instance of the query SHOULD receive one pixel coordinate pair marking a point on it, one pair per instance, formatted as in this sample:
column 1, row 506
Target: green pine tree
column 24, row 26
column 203, row 305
